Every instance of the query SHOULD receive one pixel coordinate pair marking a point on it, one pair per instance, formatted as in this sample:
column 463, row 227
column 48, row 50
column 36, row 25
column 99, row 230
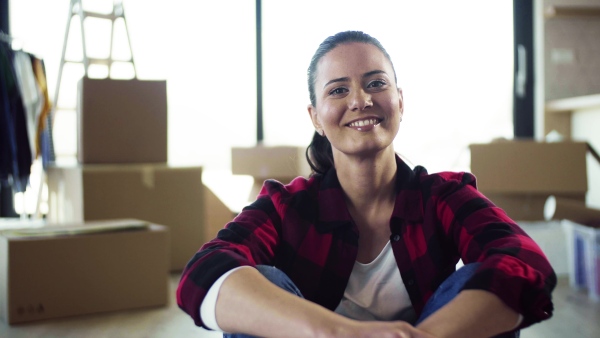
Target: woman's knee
column 279, row 278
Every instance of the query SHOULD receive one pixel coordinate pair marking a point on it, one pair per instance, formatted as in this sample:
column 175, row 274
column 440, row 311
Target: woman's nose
column 360, row 100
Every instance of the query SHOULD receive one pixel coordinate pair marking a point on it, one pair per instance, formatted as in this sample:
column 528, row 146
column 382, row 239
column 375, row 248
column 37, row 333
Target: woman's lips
column 364, row 124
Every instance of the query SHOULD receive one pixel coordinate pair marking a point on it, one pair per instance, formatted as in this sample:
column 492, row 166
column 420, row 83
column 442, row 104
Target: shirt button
column 395, row 237
column 411, row 281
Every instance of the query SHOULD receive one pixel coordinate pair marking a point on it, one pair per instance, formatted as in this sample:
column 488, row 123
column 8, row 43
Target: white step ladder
column 76, row 8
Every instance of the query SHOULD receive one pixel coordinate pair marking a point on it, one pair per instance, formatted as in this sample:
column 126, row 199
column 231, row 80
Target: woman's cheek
column 330, row 114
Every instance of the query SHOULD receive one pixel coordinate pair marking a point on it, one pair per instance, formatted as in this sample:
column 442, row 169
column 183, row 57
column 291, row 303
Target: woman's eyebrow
column 344, row 79
column 373, row 72
column 341, row 79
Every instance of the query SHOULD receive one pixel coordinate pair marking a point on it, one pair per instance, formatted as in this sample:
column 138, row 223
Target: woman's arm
column 249, row 303
column 250, row 239
column 513, row 267
column 473, row 313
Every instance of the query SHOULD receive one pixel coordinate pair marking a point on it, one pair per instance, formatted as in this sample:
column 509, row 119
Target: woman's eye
column 376, row 83
column 338, row 91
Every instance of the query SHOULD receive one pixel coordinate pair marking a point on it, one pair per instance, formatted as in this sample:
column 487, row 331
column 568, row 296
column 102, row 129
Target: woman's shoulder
column 456, row 176
column 301, row 192
column 295, row 186
column 419, row 176
column 444, row 178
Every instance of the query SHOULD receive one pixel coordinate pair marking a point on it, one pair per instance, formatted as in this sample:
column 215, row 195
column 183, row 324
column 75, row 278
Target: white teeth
column 363, row 123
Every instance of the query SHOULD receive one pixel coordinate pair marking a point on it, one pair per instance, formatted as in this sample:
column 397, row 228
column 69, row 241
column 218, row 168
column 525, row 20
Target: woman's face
column 358, row 104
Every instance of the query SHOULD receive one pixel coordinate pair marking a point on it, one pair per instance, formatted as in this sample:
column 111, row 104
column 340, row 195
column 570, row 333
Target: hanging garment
column 31, row 95
column 39, row 71
column 7, row 146
column 19, row 157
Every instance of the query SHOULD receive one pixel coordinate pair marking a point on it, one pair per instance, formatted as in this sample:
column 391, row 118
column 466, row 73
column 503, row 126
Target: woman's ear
column 312, row 112
column 401, row 101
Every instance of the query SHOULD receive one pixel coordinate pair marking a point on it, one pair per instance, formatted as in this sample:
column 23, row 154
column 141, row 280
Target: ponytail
column 319, row 154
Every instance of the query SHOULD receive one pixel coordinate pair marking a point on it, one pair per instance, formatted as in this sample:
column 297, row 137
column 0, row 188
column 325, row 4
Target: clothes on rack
column 43, row 141
column 40, row 75
column 24, row 103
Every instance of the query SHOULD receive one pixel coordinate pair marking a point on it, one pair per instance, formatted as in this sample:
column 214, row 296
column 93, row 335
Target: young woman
column 367, row 247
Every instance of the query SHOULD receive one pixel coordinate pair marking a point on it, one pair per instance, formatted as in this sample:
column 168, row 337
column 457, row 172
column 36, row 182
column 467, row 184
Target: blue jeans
column 444, row 294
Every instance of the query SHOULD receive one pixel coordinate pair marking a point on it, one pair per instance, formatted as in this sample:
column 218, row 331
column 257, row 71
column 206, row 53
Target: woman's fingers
column 396, row 329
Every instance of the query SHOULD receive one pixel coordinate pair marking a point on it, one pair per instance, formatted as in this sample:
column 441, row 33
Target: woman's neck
column 367, row 182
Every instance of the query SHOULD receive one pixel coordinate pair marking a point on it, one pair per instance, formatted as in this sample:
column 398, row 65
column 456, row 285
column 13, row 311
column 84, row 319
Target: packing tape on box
column 148, row 177
column 558, row 208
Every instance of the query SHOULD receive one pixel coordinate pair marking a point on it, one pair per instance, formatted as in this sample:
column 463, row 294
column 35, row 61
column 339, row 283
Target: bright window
column 454, row 62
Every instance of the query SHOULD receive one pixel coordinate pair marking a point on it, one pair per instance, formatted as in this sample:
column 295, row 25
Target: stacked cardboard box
column 159, row 193
column 520, row 175
column 57, row 271
column 121, row 121
column 123, row 170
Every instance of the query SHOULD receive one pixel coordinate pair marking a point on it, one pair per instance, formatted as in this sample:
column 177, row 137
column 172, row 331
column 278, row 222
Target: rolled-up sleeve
column 513, row 266
column 250, row 239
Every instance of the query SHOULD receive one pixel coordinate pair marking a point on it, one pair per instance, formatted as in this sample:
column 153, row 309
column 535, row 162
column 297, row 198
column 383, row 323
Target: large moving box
column 158, row 193
column 520, row 175
column 48, row 274
column 122, row 121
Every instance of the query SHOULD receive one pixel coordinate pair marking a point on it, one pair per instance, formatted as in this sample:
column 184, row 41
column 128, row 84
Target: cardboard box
column 282, row 163
column 172, row 196
column 519, row 175
column 122, row 121
column 49, row 275
column 264, row 162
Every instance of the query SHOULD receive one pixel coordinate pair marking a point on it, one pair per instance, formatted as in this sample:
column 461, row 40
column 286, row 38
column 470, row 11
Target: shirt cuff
column 519, row 321
column 208, row 307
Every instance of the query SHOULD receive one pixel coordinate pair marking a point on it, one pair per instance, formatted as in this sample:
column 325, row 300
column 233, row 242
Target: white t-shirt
column 375, row 291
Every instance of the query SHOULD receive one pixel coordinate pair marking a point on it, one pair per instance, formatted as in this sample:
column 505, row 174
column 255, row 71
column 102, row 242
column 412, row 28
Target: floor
column 576, row 316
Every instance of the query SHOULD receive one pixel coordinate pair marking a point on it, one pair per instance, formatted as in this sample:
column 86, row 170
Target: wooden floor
column 575, row 316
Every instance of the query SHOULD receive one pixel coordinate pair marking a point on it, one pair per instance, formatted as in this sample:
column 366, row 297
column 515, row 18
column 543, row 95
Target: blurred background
column 454, row 62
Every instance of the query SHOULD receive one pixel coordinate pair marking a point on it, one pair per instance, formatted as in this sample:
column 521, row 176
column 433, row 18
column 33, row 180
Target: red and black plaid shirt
column 304, row 228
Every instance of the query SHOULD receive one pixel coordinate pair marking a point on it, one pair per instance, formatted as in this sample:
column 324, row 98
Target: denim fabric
column 449, row 289
column 444, row 294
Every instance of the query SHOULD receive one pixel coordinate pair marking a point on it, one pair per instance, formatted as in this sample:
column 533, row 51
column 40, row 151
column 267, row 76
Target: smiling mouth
column 364, row 123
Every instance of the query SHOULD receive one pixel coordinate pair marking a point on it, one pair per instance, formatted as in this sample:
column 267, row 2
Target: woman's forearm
column 249, row 303
column 473, row 313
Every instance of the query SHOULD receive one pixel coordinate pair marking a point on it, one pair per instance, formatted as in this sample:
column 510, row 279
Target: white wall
column 586, row 127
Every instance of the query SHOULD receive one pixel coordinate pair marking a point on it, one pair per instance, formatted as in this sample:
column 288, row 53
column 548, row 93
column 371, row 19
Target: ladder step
column 106, row 62
column 98, row 61
column 110, row 16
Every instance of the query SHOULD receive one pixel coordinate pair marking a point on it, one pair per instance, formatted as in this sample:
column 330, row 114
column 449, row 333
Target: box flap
column 77, row 228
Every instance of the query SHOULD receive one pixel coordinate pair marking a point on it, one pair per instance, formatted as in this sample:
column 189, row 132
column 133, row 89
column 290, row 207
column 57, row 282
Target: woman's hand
column 397, row 329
